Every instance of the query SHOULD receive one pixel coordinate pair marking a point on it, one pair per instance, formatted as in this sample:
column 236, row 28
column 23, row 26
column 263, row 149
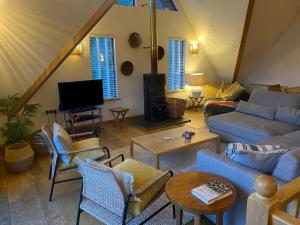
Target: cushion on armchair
column 263, row 158
column 232, row 92
column 62, row 142
column 142, row 174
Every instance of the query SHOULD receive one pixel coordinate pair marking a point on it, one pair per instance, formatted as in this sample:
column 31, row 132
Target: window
column 166, row 5
column 103, row 64
column 125, row 2
column 176, row 69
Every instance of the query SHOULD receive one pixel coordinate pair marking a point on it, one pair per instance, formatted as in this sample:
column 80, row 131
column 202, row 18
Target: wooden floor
column 23, row 196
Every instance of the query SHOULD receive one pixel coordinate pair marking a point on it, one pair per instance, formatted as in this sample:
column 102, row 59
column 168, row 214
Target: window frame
column 115, row 60
column 184, row 61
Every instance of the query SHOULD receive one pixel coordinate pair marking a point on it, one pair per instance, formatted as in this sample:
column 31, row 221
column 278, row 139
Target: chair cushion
column 288, row 115
column 95, row 155
column 262, row 158
column 142, row 174
column 62, row 142
column 256, row 110
column 87, row 143
column 275, row 99
column 251, row 128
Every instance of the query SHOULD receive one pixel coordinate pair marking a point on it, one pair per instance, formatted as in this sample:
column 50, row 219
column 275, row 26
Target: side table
column 196, row 102
column 178, row 191
column 119, row 114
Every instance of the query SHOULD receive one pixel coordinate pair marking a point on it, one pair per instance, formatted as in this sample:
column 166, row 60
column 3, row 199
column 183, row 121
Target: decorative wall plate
column 127, row 68
column 135, row 40
column 160, row 52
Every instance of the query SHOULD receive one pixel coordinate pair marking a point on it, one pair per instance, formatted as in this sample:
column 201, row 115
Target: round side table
column 178, row 191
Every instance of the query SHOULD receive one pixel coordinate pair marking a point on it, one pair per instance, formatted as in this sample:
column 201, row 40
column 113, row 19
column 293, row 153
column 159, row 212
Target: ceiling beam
column 244, row 39
column 62, row 55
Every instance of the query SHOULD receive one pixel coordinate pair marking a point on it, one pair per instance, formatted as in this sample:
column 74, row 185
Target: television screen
column 79, row 94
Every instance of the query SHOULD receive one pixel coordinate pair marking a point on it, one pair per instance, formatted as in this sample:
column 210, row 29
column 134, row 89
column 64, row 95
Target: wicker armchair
column 88, row 148
column 103, row 197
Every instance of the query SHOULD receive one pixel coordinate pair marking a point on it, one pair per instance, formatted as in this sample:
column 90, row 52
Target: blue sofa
column 247, row 128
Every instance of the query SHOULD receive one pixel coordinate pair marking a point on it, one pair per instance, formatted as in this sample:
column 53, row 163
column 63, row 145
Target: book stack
column 212, row 192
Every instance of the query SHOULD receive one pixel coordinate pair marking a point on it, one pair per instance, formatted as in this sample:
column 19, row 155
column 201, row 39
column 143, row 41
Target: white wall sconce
column 194, row 47
column 77, row 50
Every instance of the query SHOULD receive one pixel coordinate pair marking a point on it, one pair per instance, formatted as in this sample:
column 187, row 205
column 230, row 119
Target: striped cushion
column 262, row 158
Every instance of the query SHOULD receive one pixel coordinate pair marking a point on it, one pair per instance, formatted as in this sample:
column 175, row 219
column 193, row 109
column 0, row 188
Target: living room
column 184, row 94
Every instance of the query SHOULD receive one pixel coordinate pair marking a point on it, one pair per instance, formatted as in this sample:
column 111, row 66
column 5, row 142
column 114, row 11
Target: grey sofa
column 247, row 128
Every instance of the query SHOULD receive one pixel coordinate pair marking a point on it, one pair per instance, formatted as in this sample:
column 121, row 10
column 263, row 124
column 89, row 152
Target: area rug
column 165, row 217
column 179, row 161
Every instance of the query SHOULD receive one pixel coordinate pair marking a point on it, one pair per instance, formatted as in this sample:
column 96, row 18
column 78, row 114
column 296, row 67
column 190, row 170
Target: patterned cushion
column 62, row 142
column 232, row 92
column 142, row 174
column 262, row 158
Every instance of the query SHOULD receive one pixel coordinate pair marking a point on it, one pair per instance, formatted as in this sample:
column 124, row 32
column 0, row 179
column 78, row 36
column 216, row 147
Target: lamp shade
column 196, row 79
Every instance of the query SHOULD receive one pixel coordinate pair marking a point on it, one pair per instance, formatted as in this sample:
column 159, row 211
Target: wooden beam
column 62, row 55
column 244, row 39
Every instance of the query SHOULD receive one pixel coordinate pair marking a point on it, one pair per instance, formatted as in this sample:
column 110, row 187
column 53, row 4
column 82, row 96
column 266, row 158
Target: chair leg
column 53, row 183
column 174, row 211
column 155, row 213
column 79, row 211
column 127, row 199
column 50, row 172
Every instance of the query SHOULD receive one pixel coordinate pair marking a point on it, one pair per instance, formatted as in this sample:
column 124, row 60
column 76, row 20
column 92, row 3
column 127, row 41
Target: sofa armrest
column 241, row 176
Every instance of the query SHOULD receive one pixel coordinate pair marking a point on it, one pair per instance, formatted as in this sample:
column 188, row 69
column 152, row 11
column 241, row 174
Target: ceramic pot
column 18, row 157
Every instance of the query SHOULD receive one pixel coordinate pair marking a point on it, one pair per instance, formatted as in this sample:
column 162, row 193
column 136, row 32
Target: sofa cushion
column 251, row 128
column 232, row 92
column 283, row 141
column 275, row 99
column 262, row 158
column 256, row 110
column 288, row 115
column 288, row 166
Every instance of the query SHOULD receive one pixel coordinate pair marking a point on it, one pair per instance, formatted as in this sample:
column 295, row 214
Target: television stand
column 85, row 114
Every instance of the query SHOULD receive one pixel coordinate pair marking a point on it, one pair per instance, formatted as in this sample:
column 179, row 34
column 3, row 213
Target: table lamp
column 196, row 80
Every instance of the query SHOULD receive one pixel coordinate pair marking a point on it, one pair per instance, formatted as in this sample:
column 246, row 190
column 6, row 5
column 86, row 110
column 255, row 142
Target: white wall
column 32, row 32
column 120, row 21
column 270, row 19
column 220, row 23
column 281, row 66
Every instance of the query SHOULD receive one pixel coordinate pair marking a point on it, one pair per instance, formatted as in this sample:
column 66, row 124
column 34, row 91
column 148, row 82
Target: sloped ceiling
column 220, row 23
column 32, row 32
column 270, row 19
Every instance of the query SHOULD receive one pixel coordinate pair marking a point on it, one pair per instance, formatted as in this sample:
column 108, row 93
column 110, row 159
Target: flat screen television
column 80, row 94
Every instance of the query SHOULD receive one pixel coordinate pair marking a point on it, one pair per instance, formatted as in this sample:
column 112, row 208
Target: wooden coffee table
column 178, row 191
column 155, row 143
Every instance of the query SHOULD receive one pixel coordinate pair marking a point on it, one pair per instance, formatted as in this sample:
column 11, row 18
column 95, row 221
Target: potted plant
column 16, row 129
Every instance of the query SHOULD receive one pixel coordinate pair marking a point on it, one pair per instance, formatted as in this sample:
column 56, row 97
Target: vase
column 18, row 157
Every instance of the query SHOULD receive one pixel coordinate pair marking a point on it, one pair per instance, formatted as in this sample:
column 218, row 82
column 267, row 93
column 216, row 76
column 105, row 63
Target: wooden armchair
column 103, row 197
column 88, row 148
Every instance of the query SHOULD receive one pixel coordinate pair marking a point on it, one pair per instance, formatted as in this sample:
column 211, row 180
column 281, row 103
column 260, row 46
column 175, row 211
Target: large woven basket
column 176, row 107
column 18, row 157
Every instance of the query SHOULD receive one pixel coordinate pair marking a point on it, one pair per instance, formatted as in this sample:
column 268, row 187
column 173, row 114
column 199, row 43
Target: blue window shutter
column 166, row 5
column 125, row 2
column 176, row 67
column 103, row 65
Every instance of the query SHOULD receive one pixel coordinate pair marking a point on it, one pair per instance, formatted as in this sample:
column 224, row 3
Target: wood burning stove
column 155, row 105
